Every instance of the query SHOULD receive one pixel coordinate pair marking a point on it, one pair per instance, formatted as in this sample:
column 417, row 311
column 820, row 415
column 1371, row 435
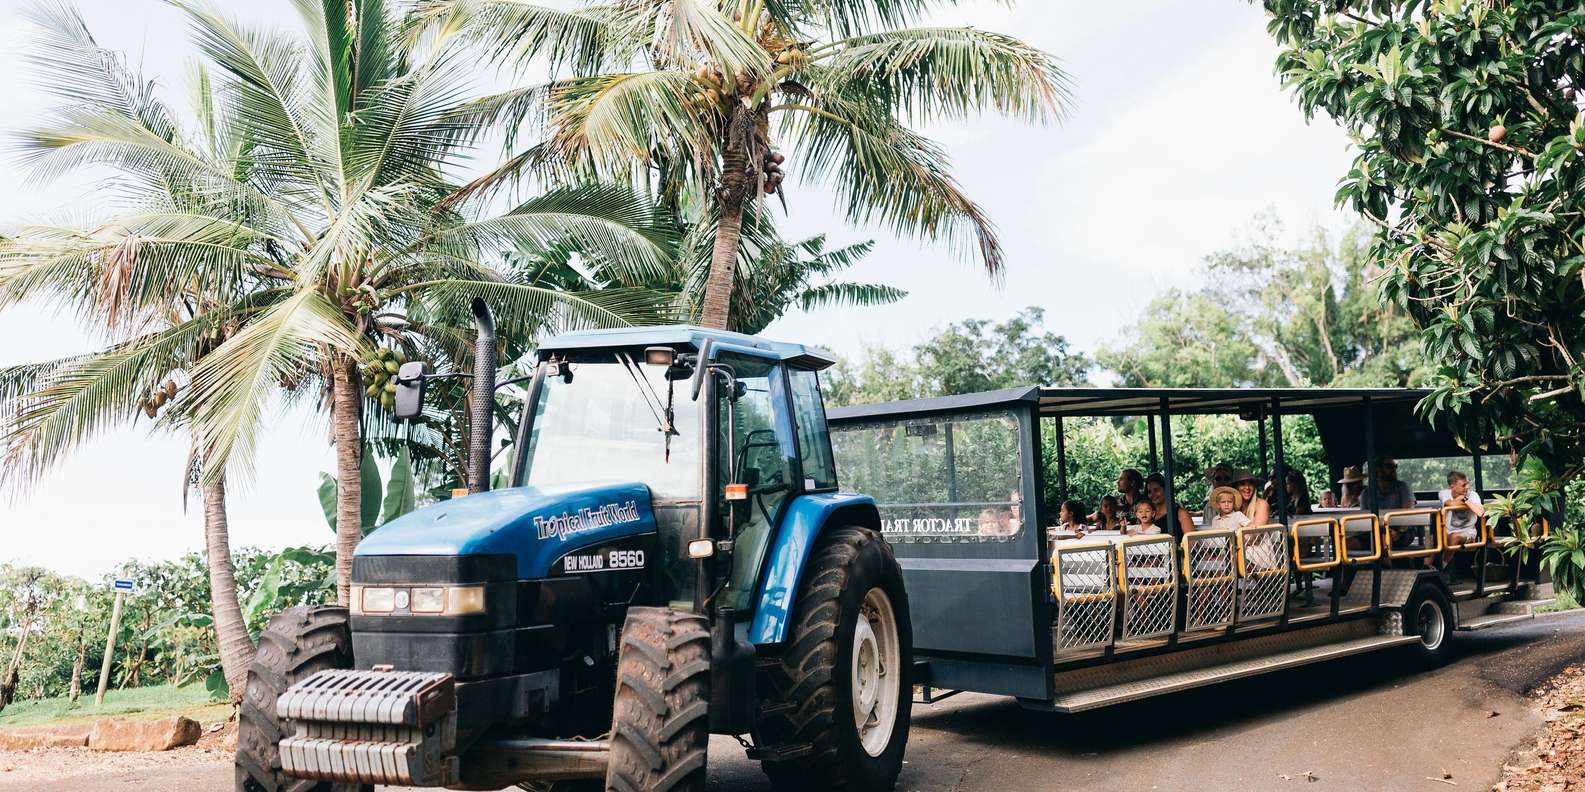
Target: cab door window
column 760, row 458
column 814, row 442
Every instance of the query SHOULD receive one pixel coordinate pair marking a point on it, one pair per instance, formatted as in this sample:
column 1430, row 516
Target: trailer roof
column 1143, row 401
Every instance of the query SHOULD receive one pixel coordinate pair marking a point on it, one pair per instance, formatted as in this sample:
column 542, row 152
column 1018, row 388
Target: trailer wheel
column 845, row 670
column 1429, row 615
column 298, row 643
column 660, row 726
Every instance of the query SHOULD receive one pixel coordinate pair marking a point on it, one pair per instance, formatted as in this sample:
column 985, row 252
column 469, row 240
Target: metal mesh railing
column 1315, row 544
column 1209, row 567
column 1085, row 584
column 1148, row 579
column 1262, row 572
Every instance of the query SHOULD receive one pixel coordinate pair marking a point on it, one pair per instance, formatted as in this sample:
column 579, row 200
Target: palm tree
column 682, row 95
column 772, row 275
column 307, row 207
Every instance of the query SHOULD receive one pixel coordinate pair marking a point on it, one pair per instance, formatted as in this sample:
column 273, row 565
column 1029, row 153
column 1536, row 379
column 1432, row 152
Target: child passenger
column 1228, row 505
column 1144, row 519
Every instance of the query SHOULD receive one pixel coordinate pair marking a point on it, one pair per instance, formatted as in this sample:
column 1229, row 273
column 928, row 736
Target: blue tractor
column 671, row 559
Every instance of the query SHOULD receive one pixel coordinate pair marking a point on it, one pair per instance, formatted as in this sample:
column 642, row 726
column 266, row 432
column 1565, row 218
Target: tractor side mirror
column 410, row 382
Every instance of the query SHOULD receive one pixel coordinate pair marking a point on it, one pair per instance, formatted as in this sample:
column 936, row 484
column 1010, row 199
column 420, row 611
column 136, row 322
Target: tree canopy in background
column 1275, row 314
column 1470, row 161
column 966, row 357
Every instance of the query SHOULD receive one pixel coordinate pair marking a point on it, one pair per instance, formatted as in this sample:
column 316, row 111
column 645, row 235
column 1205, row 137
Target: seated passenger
column 1070, row 518
column 1353, row 484
column 1218, row 475
column 1108, row 515
column 1156, row 492
column 1328, row 500
column 1463, row 519
column 1256, row 509
column 1227, row 514
column 1144, row 520
column 1298, row 493
column 1130, row 489
column 1389, row 493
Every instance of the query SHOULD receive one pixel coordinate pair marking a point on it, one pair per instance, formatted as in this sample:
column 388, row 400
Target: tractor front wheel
column 298, row 643
column 660, row 725
column 845, row 671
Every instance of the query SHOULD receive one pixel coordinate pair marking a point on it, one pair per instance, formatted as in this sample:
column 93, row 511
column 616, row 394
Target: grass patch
column 143, row 703
column 1565, row 601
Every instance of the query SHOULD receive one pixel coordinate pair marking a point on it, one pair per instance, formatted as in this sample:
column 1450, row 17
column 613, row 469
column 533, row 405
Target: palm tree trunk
column 346, row 396
column 76, row 688
column 730, row 197
column 236, row 646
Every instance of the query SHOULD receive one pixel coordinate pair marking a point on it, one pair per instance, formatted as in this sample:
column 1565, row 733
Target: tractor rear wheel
column 298, row 643
column 845, row 670
column 660, row 724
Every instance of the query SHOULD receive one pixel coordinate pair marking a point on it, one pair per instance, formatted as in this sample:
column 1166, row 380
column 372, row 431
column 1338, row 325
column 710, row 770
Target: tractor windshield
column 606, row 425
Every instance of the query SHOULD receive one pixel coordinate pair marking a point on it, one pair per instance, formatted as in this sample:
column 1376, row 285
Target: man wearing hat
column 1353, row 483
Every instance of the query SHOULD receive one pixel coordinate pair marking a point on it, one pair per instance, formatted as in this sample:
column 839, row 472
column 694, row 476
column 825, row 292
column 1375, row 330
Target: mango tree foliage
column 1470, row 163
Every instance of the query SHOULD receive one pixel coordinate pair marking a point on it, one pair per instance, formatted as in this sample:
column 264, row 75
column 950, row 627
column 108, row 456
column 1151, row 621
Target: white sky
column 1179, row 134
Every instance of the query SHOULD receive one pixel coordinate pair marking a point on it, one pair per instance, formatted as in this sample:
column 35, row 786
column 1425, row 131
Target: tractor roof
column 677, row 335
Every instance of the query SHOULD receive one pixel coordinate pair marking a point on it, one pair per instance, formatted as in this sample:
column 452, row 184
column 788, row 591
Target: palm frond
column 860, row 295
column 266, row 89
column 885, row 172
column 682, row 33
column 75, row 399
column 848, row 17
column 69, row 64
column 521, row 32
column 613, row 122
column 232, row 386
column 409, row 128
column 532, row 310
column 614, row 223
column 944, row 72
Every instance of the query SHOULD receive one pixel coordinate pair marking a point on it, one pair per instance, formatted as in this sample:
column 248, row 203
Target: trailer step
column 1492, row 619
column 1081, row 700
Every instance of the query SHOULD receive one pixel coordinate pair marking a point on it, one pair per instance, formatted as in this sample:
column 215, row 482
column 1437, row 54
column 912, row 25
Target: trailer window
column 938, row 479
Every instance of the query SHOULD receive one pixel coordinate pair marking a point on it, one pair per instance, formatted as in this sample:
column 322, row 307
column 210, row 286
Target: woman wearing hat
column 1353, row 483
column 1256, row 509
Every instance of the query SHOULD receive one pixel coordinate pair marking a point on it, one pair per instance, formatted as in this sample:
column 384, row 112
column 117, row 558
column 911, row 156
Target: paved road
column 1368, row 722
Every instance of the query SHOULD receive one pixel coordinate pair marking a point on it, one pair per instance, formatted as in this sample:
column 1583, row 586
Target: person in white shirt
column 1229, row 515
column 1144, row 520
column 1463, row 513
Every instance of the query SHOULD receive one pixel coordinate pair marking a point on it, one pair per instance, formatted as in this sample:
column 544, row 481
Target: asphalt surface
column 1373, row 722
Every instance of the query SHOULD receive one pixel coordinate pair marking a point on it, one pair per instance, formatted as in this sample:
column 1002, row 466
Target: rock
column 228, row 743
column 153, row 735
column 27, row 741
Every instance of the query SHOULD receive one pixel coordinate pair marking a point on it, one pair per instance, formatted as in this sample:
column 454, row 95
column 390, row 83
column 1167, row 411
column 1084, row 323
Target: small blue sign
column 123, row 584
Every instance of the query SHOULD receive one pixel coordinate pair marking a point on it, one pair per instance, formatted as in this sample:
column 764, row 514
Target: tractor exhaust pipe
column 481, row 413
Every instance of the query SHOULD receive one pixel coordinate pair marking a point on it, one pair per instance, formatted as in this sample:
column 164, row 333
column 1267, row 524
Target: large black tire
column 1429, row 615
column 298, row 643
column 816, row 670
column 660, row 723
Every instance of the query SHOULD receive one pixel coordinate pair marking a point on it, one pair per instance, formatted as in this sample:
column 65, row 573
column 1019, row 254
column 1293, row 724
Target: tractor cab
column 723, row 428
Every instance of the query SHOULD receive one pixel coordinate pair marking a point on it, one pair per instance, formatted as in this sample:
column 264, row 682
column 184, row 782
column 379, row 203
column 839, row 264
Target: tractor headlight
column 463, row 600
column 379, row 600
column 418, row 600
column 428, row 600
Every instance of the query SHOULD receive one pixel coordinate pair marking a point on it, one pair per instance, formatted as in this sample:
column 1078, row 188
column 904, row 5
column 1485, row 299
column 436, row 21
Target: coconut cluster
column 157, row 397
column 379, row 370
